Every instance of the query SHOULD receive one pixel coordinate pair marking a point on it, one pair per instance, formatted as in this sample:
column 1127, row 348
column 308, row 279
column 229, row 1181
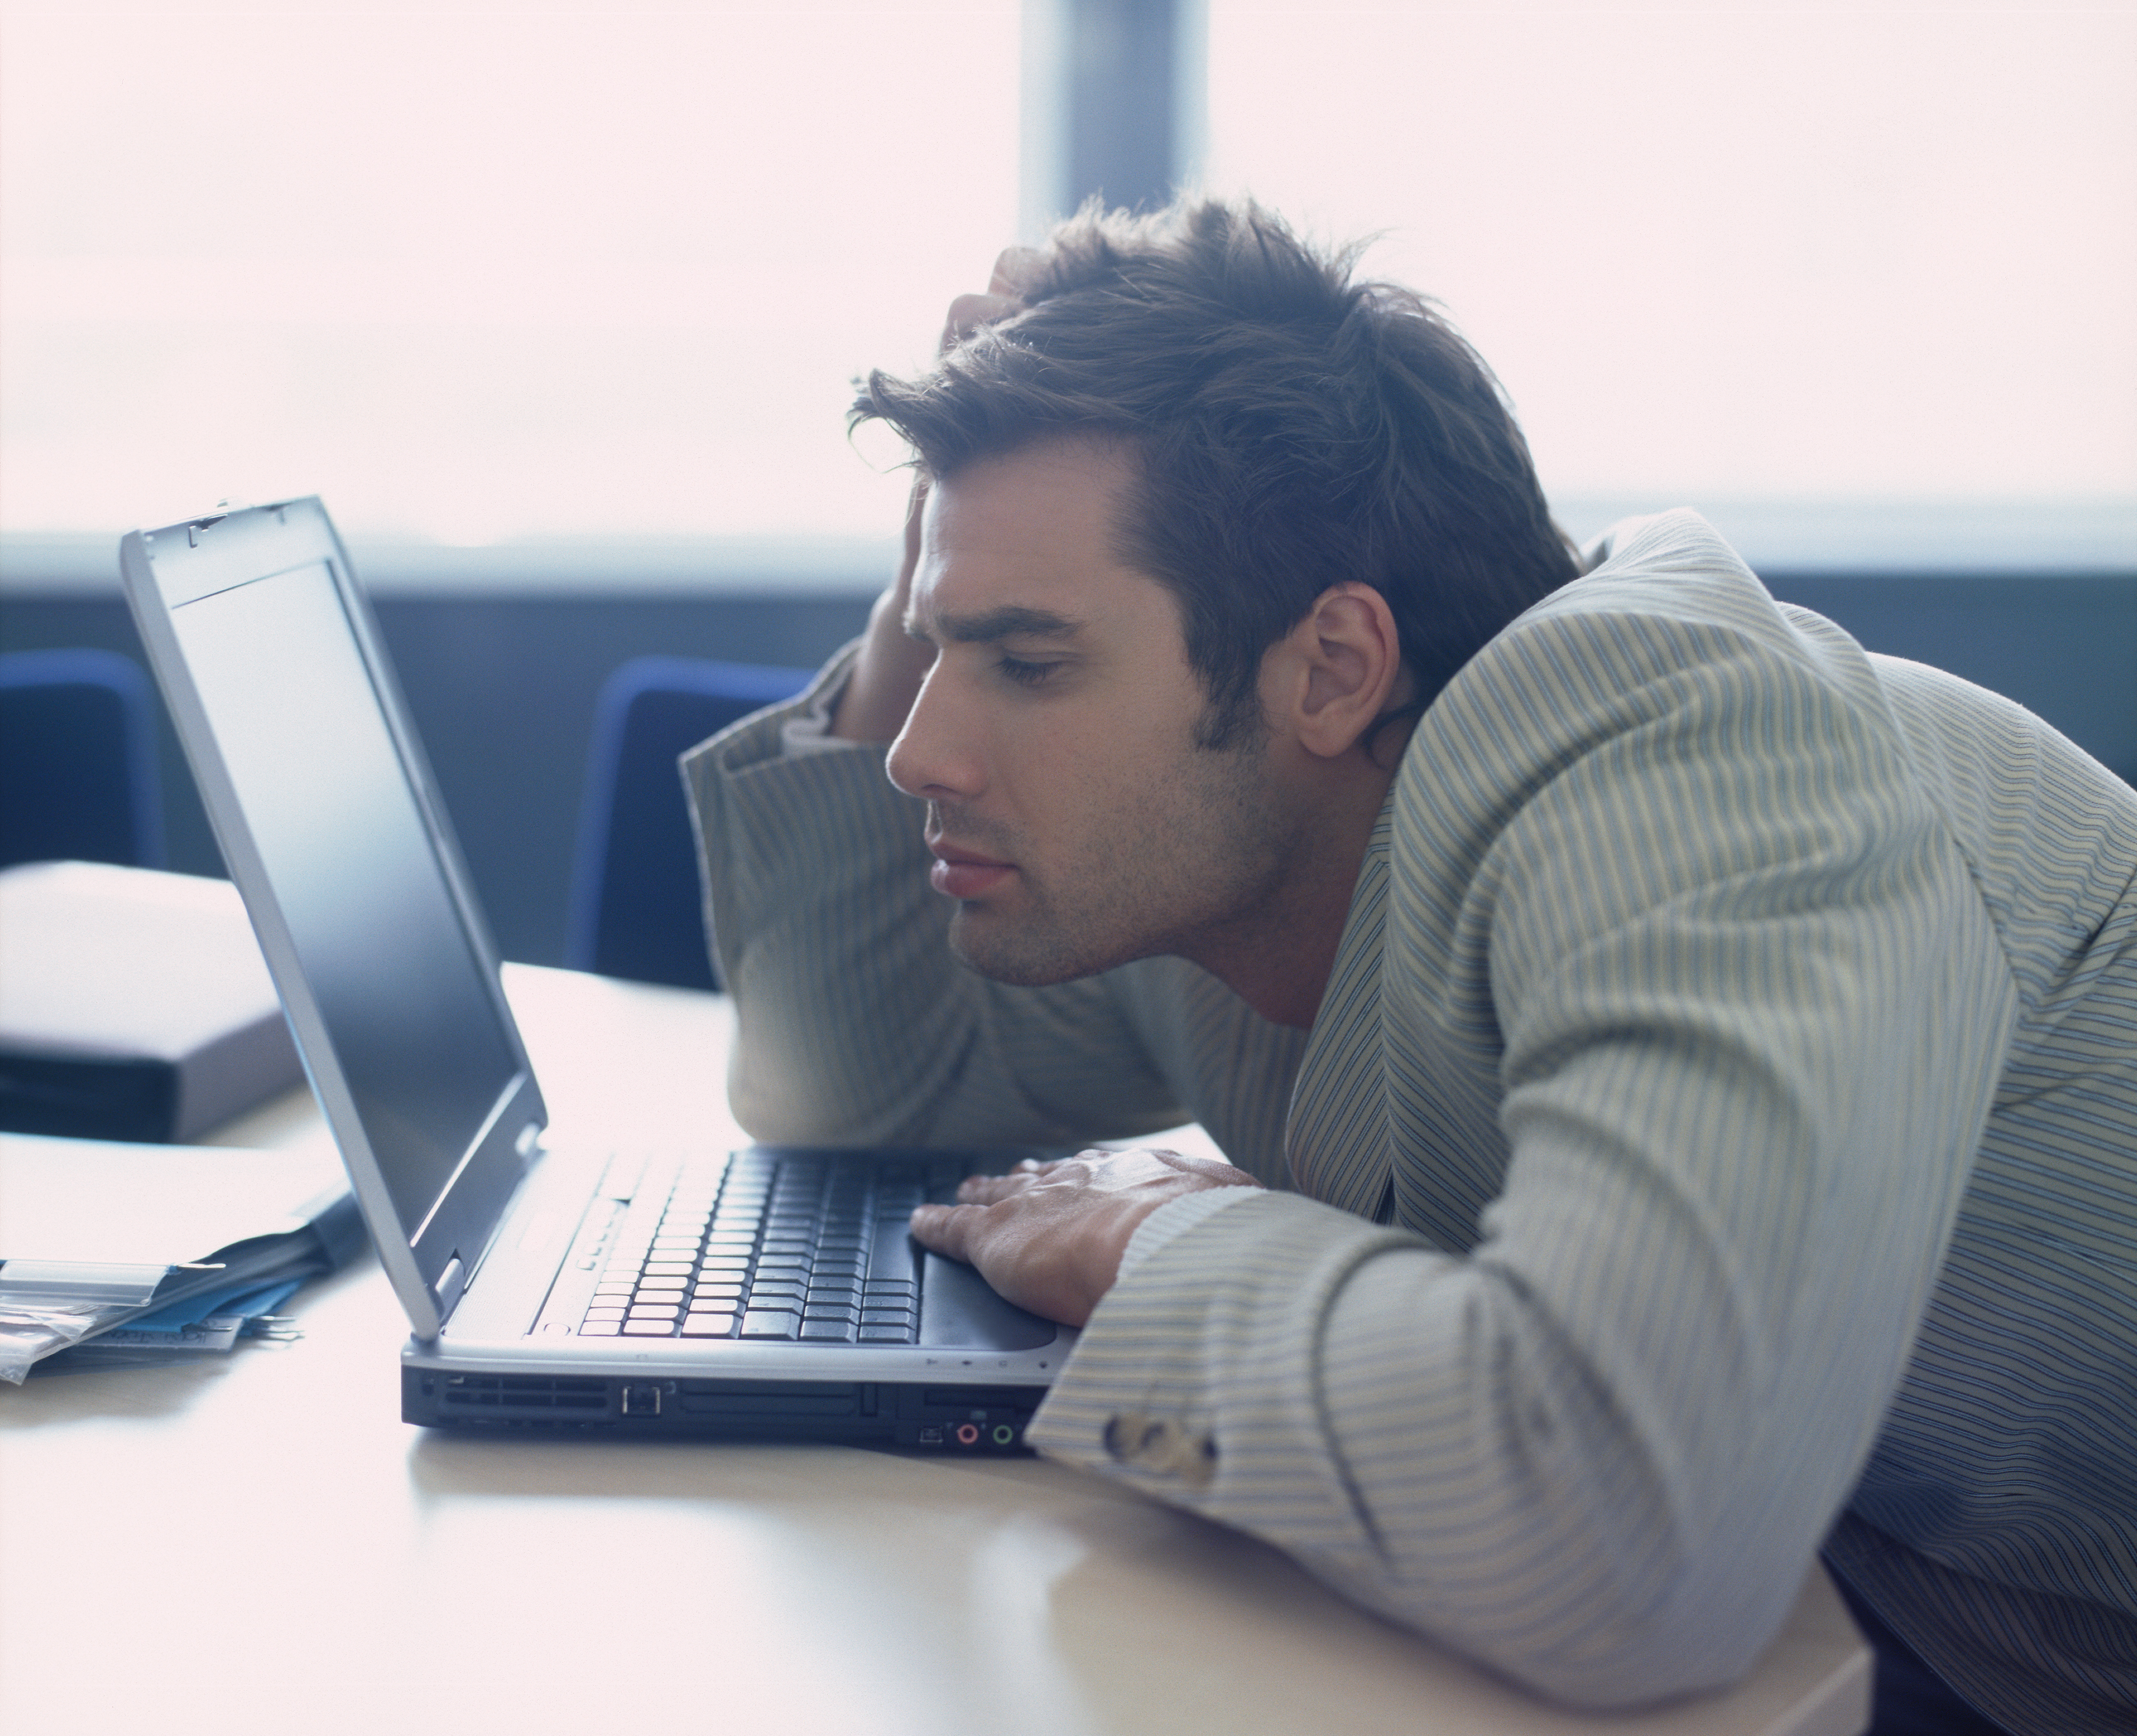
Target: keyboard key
column 600, row 1329
column 836, row 1331
column 655, row 1310
column 669, row 1268
column 650, row 1328
column 704, row 1291
column 886, row 1317
column 886, row 1334
column 768, row 1323
column 891, row 1261
column 814, row 1311
column 708, row 1326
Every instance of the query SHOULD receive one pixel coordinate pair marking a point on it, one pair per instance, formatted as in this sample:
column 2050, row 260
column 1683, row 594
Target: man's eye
column 1023, row 672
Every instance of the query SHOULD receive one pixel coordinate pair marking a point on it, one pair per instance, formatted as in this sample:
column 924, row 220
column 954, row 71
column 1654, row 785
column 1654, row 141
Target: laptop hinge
column 451, row 1282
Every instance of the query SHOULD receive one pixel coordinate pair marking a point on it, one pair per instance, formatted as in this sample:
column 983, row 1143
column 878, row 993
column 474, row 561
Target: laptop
column 771, row 1293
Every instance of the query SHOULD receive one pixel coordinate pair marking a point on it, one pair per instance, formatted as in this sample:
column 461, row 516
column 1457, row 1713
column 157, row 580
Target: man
column 1689, row 1064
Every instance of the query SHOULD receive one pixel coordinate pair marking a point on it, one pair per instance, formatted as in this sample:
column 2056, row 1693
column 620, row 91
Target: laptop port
column 641, row 1398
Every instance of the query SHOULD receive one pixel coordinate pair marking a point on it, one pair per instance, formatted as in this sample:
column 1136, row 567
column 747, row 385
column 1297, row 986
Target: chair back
column 78, row 774
column 635, row 908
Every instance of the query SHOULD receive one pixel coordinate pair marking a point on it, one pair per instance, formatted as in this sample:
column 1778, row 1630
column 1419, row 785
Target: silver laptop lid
column 277, row 679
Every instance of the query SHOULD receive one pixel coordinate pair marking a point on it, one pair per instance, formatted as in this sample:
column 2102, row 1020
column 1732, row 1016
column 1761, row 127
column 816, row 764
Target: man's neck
column 1278, row 959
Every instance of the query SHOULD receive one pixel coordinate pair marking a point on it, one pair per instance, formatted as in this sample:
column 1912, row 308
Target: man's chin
column 989, row 945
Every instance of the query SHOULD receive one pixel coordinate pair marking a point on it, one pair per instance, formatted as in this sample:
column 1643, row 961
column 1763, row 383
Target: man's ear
column 1329, row 679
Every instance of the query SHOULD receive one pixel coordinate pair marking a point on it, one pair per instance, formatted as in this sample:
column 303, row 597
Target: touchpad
column 959, row 1311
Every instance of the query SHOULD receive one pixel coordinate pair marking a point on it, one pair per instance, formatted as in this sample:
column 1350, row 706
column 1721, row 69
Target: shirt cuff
column 1172, row 1220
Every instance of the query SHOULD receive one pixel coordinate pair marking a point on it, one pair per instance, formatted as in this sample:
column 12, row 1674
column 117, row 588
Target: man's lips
column 965, row 873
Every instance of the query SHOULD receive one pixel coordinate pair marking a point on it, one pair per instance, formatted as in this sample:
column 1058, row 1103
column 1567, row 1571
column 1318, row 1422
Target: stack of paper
column 96, row 1235
column 133, row 1005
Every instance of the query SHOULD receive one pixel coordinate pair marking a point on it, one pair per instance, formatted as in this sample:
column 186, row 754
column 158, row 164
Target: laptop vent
column 528, row 1391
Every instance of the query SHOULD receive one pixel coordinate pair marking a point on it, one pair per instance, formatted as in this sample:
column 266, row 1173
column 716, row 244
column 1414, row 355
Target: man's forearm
column 886, row 676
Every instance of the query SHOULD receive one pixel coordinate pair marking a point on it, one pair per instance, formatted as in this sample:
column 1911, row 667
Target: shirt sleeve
column 1740, row 1011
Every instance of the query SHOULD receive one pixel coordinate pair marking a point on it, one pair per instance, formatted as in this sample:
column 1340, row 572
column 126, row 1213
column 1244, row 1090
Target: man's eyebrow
column 1010, row 621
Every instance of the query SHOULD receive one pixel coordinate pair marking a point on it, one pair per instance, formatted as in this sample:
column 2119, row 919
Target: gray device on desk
column 770, row 1292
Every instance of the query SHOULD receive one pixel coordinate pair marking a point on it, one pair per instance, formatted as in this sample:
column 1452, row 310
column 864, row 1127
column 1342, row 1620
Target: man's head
column 1075, row 818
column 1288, row 430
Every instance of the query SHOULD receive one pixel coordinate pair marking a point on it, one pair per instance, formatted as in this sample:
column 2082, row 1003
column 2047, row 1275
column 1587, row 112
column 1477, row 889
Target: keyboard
column 808, row 1248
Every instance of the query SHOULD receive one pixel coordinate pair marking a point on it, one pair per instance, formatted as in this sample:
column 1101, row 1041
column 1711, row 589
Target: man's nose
column 935, row 755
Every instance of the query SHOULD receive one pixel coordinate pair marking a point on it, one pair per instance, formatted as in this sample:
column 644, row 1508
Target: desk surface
column 258, row 1544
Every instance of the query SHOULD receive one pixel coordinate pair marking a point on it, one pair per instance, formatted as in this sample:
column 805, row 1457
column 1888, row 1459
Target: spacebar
column 892, row 1258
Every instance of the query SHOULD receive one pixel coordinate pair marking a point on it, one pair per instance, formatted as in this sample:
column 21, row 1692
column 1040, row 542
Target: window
column 1746, row 256
column 481, row 271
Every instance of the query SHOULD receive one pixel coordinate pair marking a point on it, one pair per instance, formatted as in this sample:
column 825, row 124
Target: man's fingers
column 947, row 1228
column 1014, row 268
column 985, row 1189
column 968, row 312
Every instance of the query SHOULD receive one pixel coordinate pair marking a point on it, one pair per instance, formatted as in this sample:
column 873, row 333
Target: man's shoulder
column 1672, row 566
column 1662, row 596
column 1667, row 650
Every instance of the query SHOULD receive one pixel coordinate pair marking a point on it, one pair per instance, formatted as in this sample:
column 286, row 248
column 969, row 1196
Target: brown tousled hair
column 1294, row 429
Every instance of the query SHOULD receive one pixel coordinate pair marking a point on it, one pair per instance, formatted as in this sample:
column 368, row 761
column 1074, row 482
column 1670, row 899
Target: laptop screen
column 340, row 832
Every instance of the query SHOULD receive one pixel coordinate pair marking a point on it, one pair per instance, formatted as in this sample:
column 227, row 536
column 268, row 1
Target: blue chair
column 78, row 774
column 635, row 909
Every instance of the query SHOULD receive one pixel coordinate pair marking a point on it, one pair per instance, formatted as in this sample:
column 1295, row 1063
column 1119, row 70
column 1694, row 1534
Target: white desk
column 258, row 1544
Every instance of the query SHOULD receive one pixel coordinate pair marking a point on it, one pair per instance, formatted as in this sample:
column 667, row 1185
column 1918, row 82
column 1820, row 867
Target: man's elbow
column 1592, row 1657
column 1642, row 1665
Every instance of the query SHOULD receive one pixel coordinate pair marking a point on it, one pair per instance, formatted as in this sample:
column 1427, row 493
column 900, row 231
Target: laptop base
column 941, row 1418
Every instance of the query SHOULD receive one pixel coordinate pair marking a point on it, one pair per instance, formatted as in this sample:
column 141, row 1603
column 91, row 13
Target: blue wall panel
column 502, row 689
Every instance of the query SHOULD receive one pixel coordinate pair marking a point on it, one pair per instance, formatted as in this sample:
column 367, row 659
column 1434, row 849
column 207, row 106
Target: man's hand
column 887, row 676
column 1049, row 1237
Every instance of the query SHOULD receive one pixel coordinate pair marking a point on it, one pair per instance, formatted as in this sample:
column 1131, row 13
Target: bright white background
column 1736, row 250
column 473, row 272
column 476, row 272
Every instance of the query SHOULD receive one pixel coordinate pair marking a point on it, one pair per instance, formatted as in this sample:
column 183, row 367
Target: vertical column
column 1112, row 102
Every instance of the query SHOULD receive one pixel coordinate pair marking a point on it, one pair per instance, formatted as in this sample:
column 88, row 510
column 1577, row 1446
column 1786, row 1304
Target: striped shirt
column 1718, row 1140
